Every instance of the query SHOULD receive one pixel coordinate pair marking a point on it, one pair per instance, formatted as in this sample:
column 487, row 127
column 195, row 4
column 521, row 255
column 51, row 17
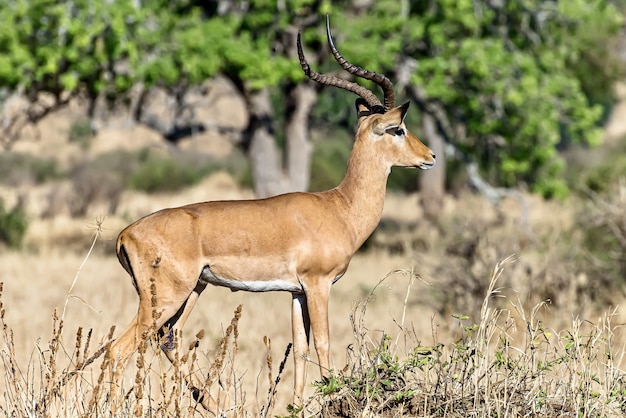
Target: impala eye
column 395, row 130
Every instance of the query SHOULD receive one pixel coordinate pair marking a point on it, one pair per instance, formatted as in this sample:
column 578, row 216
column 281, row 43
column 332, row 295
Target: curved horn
column 330, row 80
column 379, row 79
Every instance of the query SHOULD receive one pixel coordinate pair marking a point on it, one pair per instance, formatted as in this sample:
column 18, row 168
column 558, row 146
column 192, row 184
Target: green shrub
column 403, row 179
column 17, row 168
column 160, row 174
column 238, row 166
column 602, row 222
column 596, row 169
column 148, row 171
column 13, row 225
column 81, row 132
column 601, row 178
column 328, row 163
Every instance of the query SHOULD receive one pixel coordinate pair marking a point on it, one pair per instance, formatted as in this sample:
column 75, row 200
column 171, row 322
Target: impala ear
column 394, row 117
column 398, row 113
column 363, row 109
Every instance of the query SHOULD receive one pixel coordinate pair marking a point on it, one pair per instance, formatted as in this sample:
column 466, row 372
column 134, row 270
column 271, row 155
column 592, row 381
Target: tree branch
column 448, row 131
column 29, row 113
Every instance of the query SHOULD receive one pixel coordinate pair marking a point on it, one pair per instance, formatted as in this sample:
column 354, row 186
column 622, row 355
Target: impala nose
column 432, row 154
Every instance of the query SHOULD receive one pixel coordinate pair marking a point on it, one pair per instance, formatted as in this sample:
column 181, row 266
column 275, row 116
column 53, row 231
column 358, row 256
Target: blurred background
column 112, row 109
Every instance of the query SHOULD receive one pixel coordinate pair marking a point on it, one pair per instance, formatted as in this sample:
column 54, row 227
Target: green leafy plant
column 538, row 372
column 13, row 225
column 328, row 165
column 81, row 132
column 159, row 174
column 507, row 82
column 18, row 168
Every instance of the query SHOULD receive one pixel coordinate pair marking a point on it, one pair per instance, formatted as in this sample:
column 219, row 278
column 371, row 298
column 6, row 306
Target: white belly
column 208, row 277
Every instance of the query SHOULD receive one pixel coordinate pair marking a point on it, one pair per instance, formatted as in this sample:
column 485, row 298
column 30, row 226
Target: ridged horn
column 330, row 80
column 379, row 79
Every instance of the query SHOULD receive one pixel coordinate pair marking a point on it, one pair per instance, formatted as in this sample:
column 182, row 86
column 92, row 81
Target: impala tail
column 122, row 256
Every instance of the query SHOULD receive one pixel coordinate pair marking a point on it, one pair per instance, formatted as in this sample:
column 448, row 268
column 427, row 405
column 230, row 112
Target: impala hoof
column 168, row 343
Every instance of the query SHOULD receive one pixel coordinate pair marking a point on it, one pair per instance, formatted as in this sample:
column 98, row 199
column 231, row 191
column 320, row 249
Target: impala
column 300, row 243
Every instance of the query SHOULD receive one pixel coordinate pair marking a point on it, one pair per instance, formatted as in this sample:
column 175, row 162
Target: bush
column 238, row 166
column 161, row 174
column 603, row 224
column 403, row 179
column 18, row 168
column 101, row 179
column 601, row 178
column 81, row 132
column 328, row 163
column 13, row 225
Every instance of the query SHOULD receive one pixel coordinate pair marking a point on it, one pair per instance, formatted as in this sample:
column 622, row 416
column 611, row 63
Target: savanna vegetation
column 493, row 287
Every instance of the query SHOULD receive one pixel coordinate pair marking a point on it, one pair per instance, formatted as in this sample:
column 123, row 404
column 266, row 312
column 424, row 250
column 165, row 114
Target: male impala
column 298, row 242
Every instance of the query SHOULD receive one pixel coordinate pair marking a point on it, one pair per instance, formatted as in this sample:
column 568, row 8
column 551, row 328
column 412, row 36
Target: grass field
column 489, row 313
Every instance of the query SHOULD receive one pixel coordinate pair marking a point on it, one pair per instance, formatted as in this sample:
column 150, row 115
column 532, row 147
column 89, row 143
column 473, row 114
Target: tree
column 50, row 51
column 60, row 50
column 505, row 83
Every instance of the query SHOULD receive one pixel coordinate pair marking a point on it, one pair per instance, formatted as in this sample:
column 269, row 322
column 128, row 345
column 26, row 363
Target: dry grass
column 452, row 344
column 507, row 364
column 103, row 296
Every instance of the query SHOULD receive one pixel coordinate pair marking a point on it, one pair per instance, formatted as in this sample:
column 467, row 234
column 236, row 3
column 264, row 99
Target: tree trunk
column 303, row 97
column 432, row 183
column 270, row 176
column 263, row 153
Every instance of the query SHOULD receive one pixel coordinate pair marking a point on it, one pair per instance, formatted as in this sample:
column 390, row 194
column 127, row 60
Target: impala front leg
column 300, row 326
column 317, row 298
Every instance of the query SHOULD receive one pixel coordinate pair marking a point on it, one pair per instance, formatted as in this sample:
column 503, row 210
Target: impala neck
column 363, row 190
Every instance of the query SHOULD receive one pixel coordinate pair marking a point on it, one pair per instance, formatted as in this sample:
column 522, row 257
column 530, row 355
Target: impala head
column 383, row 124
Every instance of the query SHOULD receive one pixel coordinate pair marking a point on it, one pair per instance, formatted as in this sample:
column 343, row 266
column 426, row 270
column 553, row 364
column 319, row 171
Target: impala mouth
column 427, row 165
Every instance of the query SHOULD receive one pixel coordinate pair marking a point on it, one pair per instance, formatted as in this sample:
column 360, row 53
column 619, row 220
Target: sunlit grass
column 506, row 364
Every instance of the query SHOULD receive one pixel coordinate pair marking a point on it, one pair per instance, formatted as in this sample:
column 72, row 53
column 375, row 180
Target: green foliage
column 602, row 223
column 161, row 173
column 518, row 78
column 155, row 172
column 18, row 168
column 334, row 108
column 238, row 166
column 69, row 46
column 403, row 179
column 487, row 363
column 602, row 176
column 81, row 132
column 13, row 226
column 328, row 164
column 294, row 411
column 516, row 84
column 58, row 46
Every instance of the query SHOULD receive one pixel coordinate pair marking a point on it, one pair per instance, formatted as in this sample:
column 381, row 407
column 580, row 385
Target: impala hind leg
column 168, row 334
column 140, row 328
column 300, row 326
column 157, row 304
